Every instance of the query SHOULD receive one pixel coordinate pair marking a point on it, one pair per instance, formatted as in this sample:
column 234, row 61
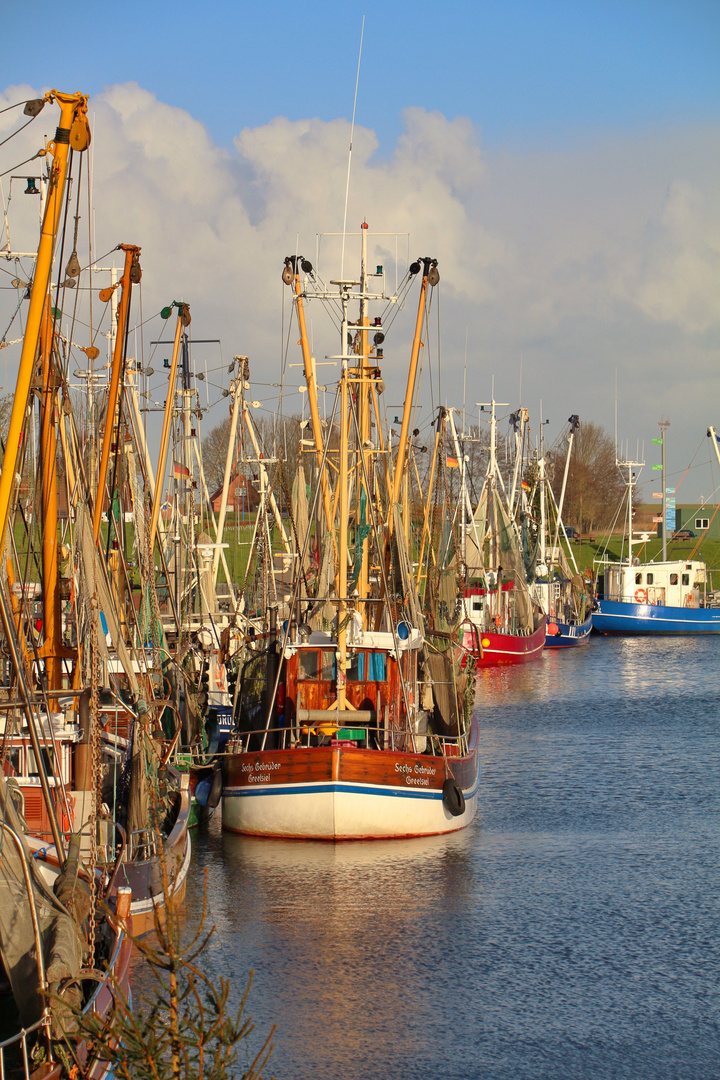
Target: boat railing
column 399, row 740
column 143, row 844
column 19, row 1041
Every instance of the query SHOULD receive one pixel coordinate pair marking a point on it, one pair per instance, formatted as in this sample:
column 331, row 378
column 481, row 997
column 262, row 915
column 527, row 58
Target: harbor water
column 571, row 931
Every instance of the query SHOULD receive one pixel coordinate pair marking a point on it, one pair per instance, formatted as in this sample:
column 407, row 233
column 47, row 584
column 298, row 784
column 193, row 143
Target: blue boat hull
column 615, row 617
column 567, row 635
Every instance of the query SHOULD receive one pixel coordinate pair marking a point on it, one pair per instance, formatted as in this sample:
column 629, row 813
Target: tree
column 184, row 1030
column 214, row 452
column 595, row 485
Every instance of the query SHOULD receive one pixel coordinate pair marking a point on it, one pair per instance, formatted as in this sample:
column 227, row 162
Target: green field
column 708, row 551
column 238, row 538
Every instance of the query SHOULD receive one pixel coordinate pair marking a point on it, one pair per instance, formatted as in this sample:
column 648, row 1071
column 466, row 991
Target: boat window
column 356, row 671
column 638, row 579
column 673, row 579
column 650, row 579
column 308, row 664
column 327, row 665
column 370, row 667
column 11, row 764
column 313, row 664
column 686, row 579
column 477, row 603
column 377, row 667
column 32, row 769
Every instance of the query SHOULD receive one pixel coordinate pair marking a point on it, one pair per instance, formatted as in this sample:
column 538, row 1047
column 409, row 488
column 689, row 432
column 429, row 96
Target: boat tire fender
column 215, row 789
column 453, row 797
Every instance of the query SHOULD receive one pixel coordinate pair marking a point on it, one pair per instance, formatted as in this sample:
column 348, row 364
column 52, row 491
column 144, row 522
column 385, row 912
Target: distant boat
column 503, row 623
column 559, row 588
column 669, row 597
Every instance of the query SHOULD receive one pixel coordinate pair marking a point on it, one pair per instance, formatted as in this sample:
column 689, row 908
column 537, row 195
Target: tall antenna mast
column 352, row 132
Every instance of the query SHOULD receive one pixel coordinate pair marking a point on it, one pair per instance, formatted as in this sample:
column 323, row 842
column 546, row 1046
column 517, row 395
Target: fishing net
column 62, row 951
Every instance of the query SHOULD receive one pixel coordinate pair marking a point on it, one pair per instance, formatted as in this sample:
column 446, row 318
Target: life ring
column 453, row 797
column 641, row 596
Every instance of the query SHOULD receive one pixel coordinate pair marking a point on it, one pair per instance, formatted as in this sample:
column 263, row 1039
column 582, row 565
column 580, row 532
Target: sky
column 560, row 160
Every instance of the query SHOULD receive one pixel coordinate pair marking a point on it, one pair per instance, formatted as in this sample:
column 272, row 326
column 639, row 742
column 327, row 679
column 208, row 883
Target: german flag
column 180, row 470
column 452, row 462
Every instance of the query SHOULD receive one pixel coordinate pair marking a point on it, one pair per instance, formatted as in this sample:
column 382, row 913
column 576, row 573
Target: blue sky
column 561, row 160
column 526, row 72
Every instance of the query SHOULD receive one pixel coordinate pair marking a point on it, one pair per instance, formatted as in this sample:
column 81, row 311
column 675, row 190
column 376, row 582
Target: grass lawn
column 708, row 551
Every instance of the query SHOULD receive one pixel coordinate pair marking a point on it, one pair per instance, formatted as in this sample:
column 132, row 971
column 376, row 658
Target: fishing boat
column 562, row 592
column 79, row 698
column 58, row 947
column 502, row 622
column 670, row 596
column 351, row 724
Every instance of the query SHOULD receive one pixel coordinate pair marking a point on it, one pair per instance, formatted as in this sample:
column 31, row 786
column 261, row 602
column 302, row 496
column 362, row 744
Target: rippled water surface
column 571, row 931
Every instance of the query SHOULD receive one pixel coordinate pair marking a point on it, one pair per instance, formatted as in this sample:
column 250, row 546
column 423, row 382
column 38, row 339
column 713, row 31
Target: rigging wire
column 352, row 131
column 19, row 165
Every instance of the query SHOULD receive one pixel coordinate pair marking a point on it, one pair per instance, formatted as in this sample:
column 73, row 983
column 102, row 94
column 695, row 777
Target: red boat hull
column 499, row 648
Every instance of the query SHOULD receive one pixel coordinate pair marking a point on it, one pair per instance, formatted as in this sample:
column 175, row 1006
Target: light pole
column 664, row 425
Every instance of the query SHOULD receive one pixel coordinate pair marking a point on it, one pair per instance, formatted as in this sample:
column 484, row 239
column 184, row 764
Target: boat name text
column 417, row 774
column 260, row 770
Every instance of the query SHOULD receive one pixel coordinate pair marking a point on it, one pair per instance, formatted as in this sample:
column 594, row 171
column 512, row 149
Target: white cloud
column 607, row 255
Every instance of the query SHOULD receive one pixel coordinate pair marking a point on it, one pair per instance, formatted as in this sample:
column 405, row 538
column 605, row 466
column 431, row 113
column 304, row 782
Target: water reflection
column 570, row 931
column 350, row 932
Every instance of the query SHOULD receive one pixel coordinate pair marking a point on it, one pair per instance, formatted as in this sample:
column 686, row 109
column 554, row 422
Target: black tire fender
column 215, row 789
column 453, row 797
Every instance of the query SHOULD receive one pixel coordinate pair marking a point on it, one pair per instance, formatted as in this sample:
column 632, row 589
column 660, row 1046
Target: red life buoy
column 641, row 596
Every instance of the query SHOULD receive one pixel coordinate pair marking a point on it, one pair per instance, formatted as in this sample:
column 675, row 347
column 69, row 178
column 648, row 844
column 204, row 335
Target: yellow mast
column 429, row 267
column 312, row 389
column 72, row 131
column 52, row 644
column 131, row 275
column 183, row 319
column 363, row 399
column 432, row 277
column 342, row 569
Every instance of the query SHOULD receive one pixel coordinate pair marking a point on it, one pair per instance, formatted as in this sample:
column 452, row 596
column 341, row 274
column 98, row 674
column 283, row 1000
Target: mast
column 430, row 276
column 183, row 319
column 574, row 423
column 52, row 624
column 491, row 474
column 237, row 392
column 630, row 465
column 292, row 271
column 73, row 131
column 131, row 275
column 543, row 514
column 343, row 545
column 518, row 418
column 363, row 424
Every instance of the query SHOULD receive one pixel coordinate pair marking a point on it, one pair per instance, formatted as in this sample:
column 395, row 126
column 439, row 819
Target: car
column 683, row 534
column 570, row 532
